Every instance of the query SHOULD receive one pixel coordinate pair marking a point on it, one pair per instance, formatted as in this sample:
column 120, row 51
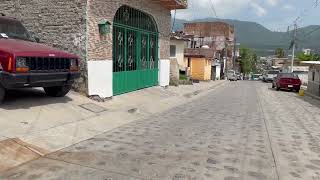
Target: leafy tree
column 248, row 60
column 308, row 57
column 280, row 53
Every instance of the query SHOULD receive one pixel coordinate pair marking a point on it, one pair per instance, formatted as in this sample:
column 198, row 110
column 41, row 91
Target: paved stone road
column 243, row 131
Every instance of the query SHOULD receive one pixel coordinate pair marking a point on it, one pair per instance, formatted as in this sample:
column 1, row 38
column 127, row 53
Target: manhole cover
column 93, row 107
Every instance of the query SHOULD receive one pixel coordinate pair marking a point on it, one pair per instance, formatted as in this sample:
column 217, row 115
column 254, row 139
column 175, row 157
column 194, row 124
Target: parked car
column 256, row 77
column 26, row 63
column 288, row 81
column 238, row 76
column 231, row 75
column 270, row 75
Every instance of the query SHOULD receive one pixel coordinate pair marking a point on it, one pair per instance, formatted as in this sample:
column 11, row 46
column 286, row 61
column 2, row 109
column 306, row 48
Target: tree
column 248, row 60
column 308, row 57
column 280, row 53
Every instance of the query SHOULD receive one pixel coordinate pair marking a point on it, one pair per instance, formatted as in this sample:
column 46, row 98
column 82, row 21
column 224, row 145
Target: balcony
column 199, row 53
column 174, row 4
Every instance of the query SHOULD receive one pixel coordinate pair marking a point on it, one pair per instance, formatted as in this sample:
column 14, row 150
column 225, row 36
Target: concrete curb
column 313, row 96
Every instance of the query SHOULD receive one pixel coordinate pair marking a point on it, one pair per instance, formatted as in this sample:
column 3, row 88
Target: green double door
column 135, row 59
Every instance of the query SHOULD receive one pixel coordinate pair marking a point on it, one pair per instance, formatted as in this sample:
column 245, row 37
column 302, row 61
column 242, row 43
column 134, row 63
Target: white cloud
column 272, row 2
column 224, row 8
column 259, row 10
column 288, row 7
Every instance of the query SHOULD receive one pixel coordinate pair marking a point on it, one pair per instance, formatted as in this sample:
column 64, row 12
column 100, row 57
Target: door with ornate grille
column 135, row 51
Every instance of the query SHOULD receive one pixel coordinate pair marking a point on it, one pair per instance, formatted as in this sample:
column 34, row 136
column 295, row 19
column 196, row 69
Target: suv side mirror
column 35, row 37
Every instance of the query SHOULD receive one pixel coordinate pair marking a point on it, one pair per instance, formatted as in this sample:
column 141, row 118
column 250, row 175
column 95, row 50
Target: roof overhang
column 174, row 4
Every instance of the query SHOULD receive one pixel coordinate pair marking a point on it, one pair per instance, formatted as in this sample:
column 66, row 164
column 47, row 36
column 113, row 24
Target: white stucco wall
column 218, row 71
column 100, row 78
column 180, row 45
column 164, row 72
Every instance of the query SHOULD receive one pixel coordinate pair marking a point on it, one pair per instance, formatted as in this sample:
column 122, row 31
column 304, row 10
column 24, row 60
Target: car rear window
column 273, row 72
column 287, row 75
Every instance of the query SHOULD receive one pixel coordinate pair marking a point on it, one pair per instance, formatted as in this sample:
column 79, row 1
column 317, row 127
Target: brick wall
column 58, row 23
column 100, row 48
column 210, row 29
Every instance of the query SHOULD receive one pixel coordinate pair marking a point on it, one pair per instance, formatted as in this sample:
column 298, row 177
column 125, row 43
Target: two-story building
column 124, row 45
column 218, row 37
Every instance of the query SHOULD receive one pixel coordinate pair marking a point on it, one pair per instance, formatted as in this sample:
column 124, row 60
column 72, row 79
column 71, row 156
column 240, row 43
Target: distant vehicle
column 288, row 81
column 238, row 76
column 270, row 75
column 231, row 75
column 256, row 77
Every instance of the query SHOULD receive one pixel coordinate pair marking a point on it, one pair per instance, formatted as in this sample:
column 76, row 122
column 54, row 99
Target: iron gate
column 135, row 51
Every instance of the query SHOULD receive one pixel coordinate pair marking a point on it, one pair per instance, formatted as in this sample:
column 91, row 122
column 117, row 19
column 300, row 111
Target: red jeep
column 26, row 63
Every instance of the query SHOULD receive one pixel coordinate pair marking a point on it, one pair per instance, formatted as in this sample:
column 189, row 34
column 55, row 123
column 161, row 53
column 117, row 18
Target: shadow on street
column 29, row 97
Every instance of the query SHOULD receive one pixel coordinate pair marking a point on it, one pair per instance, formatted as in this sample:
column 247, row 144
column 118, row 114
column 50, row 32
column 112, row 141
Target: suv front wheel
column 57, row 91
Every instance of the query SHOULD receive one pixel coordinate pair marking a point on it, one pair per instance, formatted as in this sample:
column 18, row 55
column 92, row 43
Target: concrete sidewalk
column 33, row 125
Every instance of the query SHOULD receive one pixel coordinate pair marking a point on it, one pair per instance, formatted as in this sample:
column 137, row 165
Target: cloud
column 259, row 10
column 272, row 2
column 288, row 7
column 224, row 8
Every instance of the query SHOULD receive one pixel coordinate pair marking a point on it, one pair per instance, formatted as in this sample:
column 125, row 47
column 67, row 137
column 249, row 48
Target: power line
column 213, row 8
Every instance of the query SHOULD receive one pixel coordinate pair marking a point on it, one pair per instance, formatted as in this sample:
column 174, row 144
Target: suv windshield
column 14, row 29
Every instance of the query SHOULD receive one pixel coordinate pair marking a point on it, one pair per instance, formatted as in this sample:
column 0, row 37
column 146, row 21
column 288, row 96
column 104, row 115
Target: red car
column 288, row 81
column 26, row 63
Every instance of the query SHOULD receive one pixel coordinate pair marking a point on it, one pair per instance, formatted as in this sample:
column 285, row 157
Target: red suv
column 26, row 63
column 287, row 81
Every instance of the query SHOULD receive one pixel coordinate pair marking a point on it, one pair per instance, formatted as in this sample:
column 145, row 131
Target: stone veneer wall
column 58, row 23
column 100, row 48
column 63, row 25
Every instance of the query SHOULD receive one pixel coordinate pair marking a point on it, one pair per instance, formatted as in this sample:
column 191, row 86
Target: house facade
column 313, row 77
column 124, row 45
column 177, row 46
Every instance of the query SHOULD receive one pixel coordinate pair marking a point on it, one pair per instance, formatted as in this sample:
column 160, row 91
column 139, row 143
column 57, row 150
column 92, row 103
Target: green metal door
column 135, row 51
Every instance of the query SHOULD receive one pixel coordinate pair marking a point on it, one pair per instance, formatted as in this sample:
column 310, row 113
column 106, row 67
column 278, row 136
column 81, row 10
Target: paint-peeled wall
column 179, row 56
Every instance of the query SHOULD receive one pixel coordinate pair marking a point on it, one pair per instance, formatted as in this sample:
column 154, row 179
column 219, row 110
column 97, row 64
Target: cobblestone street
column 243, row 130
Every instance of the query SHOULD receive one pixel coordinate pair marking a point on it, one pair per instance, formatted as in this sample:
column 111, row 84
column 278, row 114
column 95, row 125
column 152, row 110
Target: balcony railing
column 174, row 4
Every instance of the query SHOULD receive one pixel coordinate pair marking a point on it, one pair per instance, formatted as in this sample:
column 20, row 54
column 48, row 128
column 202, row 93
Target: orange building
column 199, row 63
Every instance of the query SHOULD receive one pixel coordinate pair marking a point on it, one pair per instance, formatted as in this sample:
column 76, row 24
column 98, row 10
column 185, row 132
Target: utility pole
column 294, row 43
column 234, row 54
column 225, row 55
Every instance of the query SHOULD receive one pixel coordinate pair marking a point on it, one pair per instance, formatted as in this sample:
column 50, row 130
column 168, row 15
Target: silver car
column 270, row 75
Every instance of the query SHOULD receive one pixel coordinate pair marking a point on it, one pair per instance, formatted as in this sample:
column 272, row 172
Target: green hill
column 264, row 41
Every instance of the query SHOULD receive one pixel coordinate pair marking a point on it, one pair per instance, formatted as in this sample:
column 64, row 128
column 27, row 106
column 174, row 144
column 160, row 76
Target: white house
column 313, row 77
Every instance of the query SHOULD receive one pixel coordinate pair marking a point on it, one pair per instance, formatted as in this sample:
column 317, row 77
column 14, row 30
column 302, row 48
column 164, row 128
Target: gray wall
column 58, row 23
column 314, row 85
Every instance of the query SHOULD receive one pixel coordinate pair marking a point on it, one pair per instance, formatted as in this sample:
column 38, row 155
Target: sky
column 276, row 15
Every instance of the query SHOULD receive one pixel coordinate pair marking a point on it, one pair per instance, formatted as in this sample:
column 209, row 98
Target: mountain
column 263, row 40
